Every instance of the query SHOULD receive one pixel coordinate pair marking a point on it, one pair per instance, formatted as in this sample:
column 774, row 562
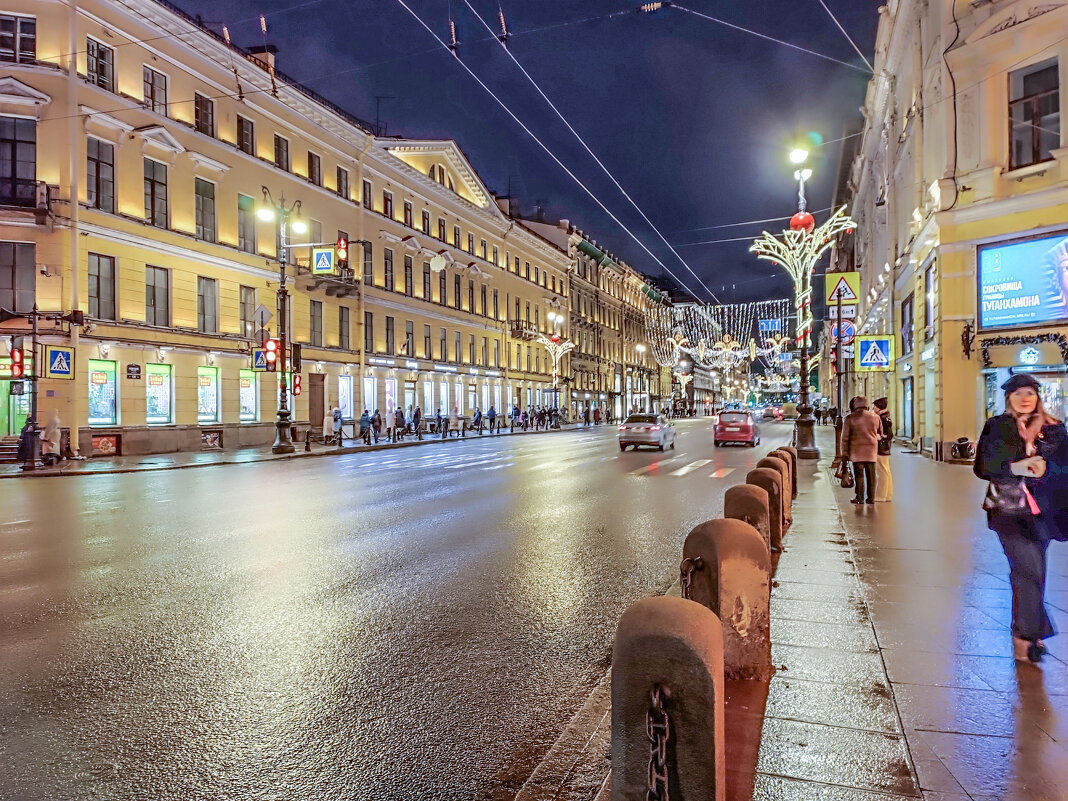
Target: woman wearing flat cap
column 1023, row 453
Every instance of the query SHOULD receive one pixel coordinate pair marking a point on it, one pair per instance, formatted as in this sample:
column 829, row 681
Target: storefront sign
column 1029, row 355
column 99, row 378
column 1024, row 282
column 383, row 362
column 155, row 380
column 927, row 354
column 105, row 445
column 133, row 371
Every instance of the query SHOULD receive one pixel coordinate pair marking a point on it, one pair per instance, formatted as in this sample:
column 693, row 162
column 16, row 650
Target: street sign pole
column 31, row 464
column 838, row 388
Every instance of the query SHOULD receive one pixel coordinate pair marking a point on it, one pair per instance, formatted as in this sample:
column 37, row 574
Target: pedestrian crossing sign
column 845, row 284
column 322, row 260
column 59, row 362
column 875, row 353
column 259, row 359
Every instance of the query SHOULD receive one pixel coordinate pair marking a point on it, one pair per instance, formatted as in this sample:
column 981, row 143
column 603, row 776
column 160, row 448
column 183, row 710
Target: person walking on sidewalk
column 50, row 438
column 884, row 480
column 398, row 425
column 476, row 421
column 365, row 427
column 454, row 421
column 417, row 423
column 443, row 428
column 376, row 425
column 492, row 416
column 1023, row 453
column 860, row 445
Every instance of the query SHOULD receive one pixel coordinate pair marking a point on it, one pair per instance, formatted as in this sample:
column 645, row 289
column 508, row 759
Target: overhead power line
column 543, row 146
column 593, row 155
column 770, row 38
column 846, row 35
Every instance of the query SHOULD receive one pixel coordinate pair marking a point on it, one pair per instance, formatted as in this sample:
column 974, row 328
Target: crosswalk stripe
column 652, row 466
column 723, row 472
column 691, row 467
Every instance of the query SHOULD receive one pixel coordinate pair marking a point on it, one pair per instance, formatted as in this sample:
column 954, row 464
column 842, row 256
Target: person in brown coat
column 860, row 445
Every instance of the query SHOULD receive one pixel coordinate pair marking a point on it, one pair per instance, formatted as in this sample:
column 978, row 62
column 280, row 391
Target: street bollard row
column 672, row 655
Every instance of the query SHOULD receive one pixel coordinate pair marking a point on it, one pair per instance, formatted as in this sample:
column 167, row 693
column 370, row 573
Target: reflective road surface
column 409, row 624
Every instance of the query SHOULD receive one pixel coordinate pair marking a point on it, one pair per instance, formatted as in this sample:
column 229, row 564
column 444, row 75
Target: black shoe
column 871, row 502
column 857, row 500
column 1035, row 651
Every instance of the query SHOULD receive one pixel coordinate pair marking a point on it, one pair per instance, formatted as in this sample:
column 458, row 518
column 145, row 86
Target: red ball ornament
column 555, row 339
column 803, row 221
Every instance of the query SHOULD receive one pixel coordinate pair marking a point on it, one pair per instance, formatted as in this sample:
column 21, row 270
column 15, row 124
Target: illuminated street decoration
column 798, row 251
column 557, row 346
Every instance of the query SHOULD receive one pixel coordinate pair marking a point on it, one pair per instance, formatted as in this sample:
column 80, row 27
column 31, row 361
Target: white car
column 646, row 429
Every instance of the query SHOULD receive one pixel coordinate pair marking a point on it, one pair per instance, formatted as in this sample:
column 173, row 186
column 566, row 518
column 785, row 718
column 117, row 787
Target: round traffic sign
column 849, row 332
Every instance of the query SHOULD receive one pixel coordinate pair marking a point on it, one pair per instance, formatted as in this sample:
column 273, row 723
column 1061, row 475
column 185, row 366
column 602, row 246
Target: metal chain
column 689, row 566
column 658, row 727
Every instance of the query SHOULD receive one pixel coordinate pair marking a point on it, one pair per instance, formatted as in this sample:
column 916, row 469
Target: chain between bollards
column 689, row 566
column 658, row 727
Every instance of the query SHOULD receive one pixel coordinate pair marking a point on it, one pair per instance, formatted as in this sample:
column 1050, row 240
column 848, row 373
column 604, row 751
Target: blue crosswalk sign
column 875, row 353
column 322, row 260
column 259, row 359
column 59, row 362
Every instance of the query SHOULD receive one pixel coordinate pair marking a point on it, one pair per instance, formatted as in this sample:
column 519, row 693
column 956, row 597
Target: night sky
column 694, row 119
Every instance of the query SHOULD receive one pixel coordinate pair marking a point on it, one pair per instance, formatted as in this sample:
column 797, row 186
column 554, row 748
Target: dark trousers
column 1025, row 540
column 864, row 473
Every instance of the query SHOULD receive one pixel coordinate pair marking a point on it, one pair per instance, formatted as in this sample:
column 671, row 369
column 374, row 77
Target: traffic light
column 341, row 252
column 272, row 348
column 296, row 383
column 18, row 362
column 294, row 357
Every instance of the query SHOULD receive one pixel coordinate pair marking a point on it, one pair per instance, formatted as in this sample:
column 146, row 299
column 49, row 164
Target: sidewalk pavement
column 894, row 671
column 187, row 459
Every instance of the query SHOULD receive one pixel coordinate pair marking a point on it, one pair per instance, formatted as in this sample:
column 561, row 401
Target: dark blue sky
column 693, row 118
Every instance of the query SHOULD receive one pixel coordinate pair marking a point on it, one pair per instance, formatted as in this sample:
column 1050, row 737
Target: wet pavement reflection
column 394, row 625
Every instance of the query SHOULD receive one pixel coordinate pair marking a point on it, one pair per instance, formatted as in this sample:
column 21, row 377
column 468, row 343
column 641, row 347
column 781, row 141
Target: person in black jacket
column 1024, row 455
column 884, row 479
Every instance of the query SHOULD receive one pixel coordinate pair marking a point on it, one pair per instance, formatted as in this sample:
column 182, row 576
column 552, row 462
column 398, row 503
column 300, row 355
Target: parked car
column 646, row 429
column 737, row 427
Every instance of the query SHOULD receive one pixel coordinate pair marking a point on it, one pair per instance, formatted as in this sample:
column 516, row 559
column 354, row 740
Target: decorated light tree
column 557, row 346
column 798, row 251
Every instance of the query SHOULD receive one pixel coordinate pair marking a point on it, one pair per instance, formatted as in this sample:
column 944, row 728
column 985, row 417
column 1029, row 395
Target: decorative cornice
column 1010, row 18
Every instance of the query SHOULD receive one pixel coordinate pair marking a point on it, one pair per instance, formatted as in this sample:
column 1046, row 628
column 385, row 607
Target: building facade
column 961, row 196
column 143, row 148
column 612, row 365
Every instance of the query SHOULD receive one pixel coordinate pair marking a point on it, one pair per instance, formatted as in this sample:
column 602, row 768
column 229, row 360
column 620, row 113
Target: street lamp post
column 798, row 251
column 270, row 212
column 641, row 374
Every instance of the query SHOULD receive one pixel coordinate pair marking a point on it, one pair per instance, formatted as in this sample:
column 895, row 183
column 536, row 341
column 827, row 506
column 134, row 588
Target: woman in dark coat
column 1025, row 448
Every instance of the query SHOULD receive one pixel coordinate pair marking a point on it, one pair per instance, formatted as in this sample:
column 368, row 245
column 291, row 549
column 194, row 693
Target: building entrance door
column 316, row 400
column 906, row 407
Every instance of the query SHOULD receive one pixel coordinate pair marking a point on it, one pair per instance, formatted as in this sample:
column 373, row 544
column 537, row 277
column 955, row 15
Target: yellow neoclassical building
column 141, row 149
column 960, row 190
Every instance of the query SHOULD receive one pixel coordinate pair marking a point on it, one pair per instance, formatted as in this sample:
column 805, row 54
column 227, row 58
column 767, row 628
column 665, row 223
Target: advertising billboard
column 1024, row 282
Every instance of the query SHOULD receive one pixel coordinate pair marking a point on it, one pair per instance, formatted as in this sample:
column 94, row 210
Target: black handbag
column 845, row 475
column 1007, row 498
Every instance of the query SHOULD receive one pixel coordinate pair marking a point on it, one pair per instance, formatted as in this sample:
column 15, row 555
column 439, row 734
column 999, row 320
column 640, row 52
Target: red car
column 737, row 427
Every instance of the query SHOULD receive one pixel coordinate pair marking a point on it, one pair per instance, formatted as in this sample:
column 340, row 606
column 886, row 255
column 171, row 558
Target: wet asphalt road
column 407, row 624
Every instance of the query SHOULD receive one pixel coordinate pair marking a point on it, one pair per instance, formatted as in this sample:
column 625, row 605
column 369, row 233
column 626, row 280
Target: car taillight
column 622, row 428
column 655, row 428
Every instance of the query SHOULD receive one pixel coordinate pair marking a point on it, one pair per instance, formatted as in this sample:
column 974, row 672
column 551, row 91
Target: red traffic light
column 271, row 348
column 18, row 363
column 341, row 248
column 296, row 384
